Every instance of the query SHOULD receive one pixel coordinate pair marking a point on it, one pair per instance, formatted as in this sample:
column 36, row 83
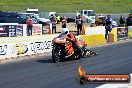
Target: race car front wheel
column 56, row 54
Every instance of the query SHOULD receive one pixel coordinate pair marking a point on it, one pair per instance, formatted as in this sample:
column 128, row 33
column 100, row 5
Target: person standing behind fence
column 64, row 21
column 54, row 22
column 51, row 17
column 108, row 25
column 79, row 23
column 29, row 26
column 129, row 20
column 58, row 18
column 122, row 20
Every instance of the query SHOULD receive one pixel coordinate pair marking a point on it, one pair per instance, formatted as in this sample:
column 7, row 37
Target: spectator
column 108, row 25
column 122, row 20
column 129, row 20
column 51, row 17
column 58, row 18
column 79, row 23
column 64, row 21
column 54, row 22
column 29, row 26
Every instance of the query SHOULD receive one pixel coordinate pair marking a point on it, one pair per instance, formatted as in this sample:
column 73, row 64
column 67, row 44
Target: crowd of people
column 109, row 23
column 55, row 20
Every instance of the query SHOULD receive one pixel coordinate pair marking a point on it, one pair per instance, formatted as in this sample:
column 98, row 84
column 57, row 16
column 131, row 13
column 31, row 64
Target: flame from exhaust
column 81, row 71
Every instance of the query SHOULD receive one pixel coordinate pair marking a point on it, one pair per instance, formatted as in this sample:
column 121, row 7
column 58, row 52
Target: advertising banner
column 21, row 46
column 3, row 49
column 10, row 30
column 47, row 29
column 122, row 33
column 19, row 30
column 37, row 29
column 4, row 32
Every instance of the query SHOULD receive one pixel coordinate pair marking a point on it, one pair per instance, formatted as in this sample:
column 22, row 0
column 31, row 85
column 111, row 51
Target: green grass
column 100, row 6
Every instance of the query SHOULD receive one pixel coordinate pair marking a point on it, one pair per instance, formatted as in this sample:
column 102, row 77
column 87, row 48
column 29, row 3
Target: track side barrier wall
column 22, row 46
column 93, row 40
column 130, row 31
column 94, row 35
column 113, row 35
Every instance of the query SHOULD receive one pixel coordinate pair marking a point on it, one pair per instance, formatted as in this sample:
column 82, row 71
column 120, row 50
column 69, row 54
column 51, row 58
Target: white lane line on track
column 129, row 85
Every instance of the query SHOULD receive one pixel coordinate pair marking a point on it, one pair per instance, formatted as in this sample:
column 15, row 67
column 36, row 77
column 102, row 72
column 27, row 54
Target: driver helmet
column 65, row 31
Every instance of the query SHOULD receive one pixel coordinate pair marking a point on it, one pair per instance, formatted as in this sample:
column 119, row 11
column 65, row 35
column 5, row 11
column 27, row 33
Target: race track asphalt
column 43, row 73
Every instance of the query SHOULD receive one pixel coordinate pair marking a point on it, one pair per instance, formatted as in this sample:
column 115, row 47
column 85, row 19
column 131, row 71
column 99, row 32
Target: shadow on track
column 45, row 61
column 51, row 61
